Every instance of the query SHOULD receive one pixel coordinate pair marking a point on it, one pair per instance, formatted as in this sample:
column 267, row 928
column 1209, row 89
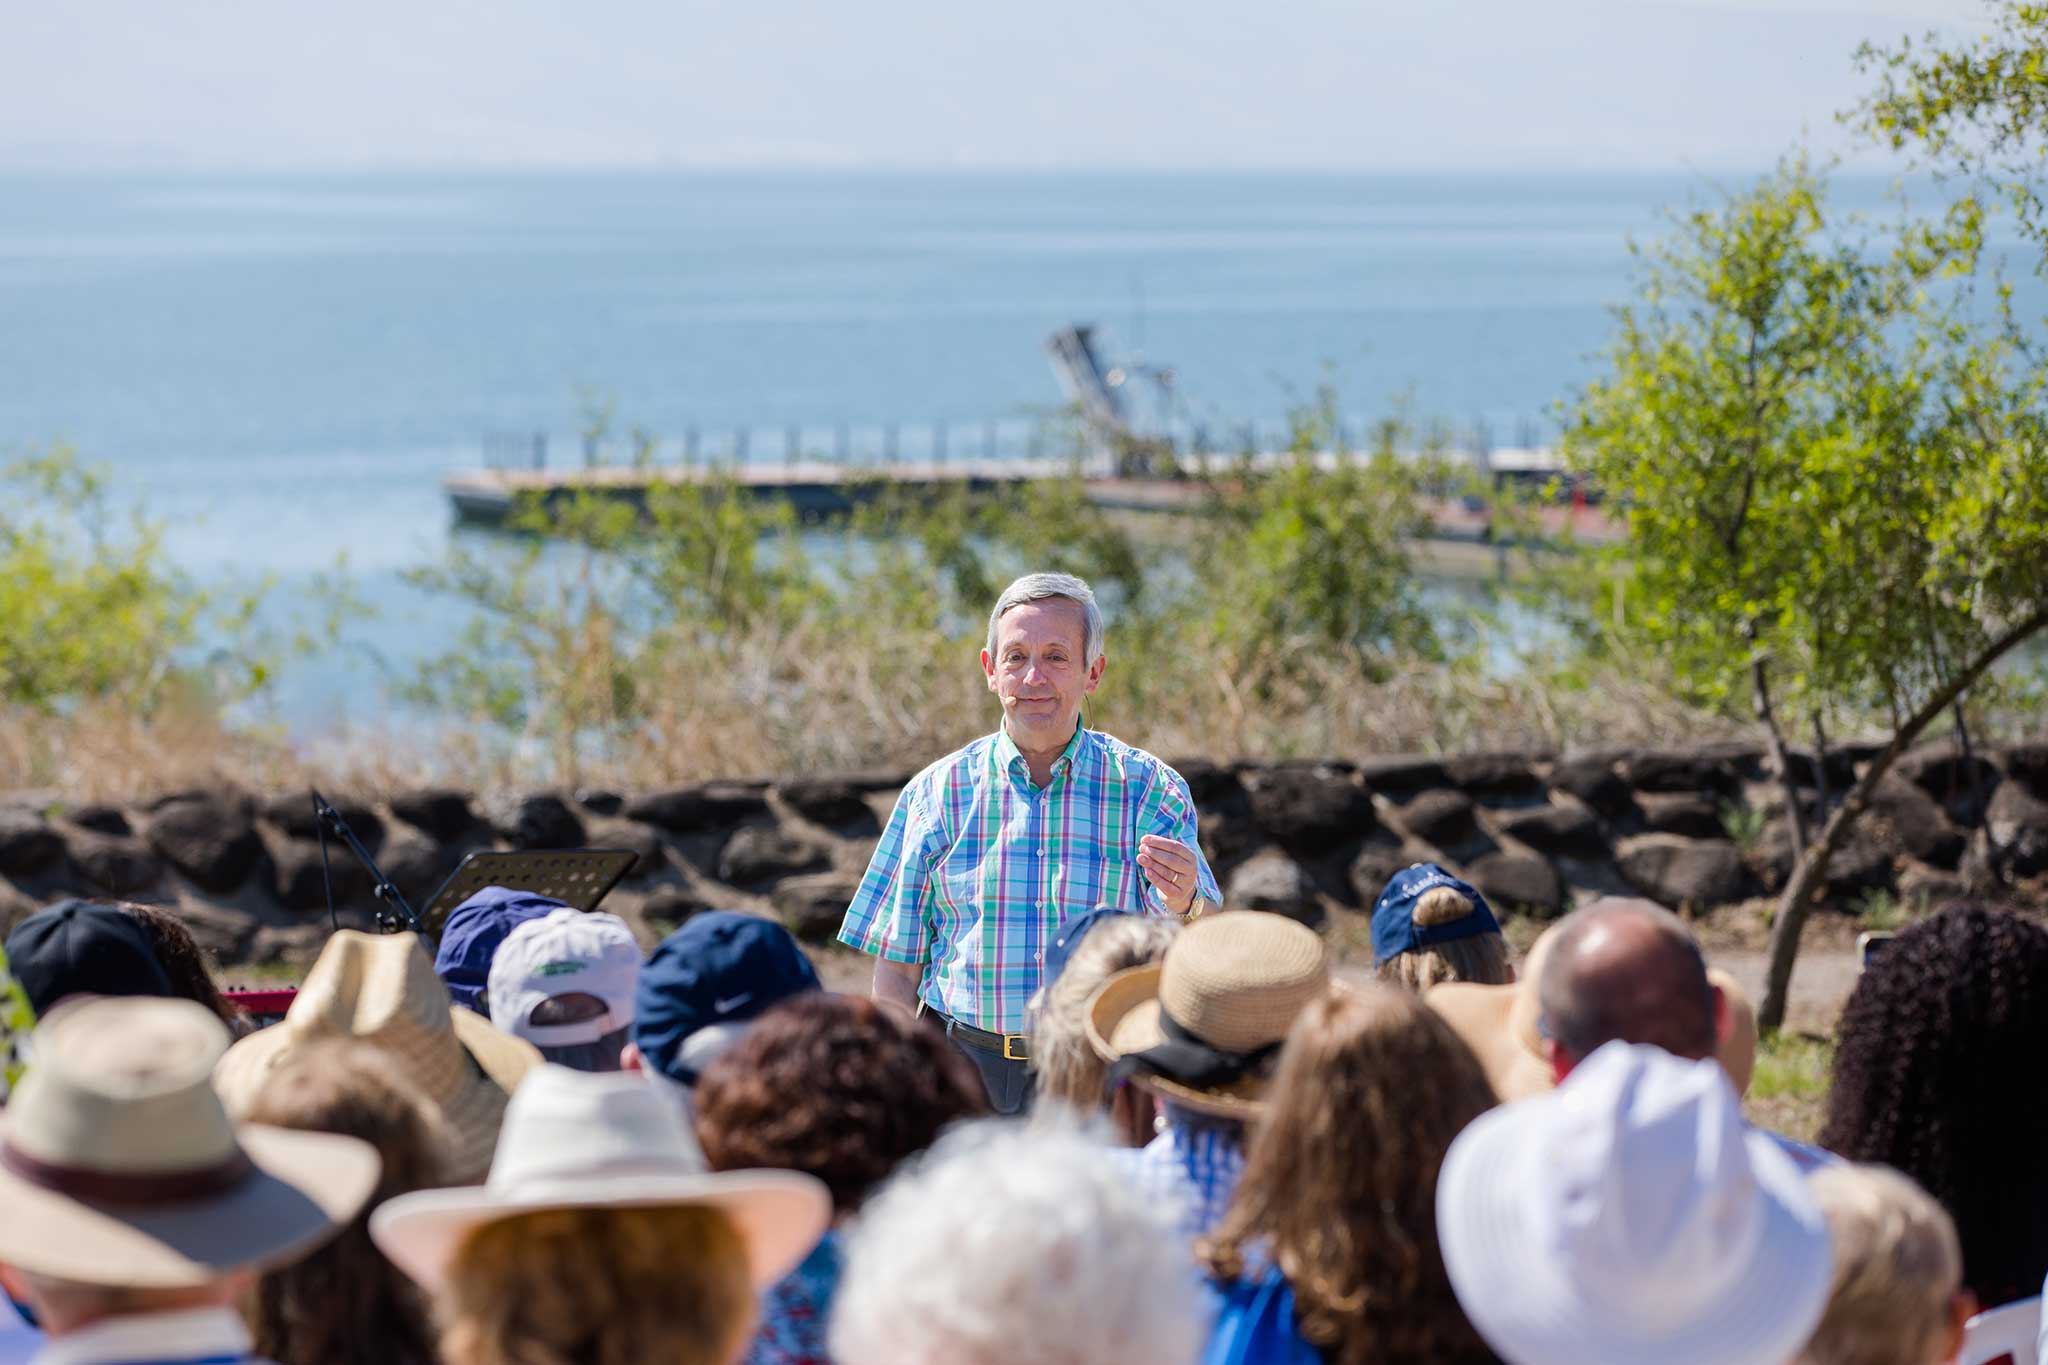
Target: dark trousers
column 1010, row 1084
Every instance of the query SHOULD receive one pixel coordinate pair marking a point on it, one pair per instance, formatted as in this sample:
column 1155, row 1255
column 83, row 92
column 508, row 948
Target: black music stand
column 579, row 877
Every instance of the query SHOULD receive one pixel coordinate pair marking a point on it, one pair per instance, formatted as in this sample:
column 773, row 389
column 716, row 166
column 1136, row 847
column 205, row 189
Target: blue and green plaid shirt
column 978, row 867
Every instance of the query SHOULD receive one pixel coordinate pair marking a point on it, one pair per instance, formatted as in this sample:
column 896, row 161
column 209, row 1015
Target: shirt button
column 1038, row 957
column 1040, row 905
column 1041, row 853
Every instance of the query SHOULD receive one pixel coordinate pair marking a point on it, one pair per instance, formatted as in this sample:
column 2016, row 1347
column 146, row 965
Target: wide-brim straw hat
column 1236, row 980
column 119, row 1166
column 1503, row 1025
column 381, row 990
column 576, row 1140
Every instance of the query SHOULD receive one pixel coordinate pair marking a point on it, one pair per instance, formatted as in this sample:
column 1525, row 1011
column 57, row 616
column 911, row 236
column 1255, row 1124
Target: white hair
column 1038, row 587
column 1013, row 1246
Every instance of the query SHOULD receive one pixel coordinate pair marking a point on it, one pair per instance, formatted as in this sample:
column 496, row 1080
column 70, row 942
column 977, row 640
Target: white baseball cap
column 1631, row 1215
column 567, row 952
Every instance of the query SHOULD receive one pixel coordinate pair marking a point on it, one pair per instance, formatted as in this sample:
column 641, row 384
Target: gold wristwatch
column 1198, row 907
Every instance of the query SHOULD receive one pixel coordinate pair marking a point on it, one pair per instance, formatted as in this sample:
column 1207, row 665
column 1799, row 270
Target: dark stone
column 812, row 907
column 600, row 802
column 2017, row 823
column 766, row 853
column 1309, row 810
column 416, row 864
column 1696, row 817
column 1906, row 820
column 222, row 934
column 1841, row 767
column 1682, row 771
column 1210, row 784
column 2028, row 765
column 1860, row 865
column 538, row 820
column 28, row 843
column 1930, row 886
column 442, row 813
column 1502, row 779
column 114, row 864
column 1939, row 769
column 1445, row 819
column 296, row 879
column 1591, row 777
column 1519, row 880
column 1224, row 838
column 1679, row 872
column 294, row 815
column 1273, row 882
column 1570, row 830
column 103, row 819
column 828, row 801
column 14, row 908
column 211, row 841
column 1373, row 868
column 649, row 857
column 708, row 806
column 668, row 908
column 1400, row 776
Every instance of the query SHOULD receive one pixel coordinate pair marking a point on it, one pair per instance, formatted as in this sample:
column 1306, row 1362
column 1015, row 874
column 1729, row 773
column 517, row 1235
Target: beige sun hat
column 1503, row 1025
column 1233, row 983
column 119, row 1165
column 594, row 1140
column 381, row 989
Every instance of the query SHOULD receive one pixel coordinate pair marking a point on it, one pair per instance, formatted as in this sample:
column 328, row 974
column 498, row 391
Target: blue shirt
column 1193, row 1165
column 977, row 867
column 1255, row 1323
column 796, row 1312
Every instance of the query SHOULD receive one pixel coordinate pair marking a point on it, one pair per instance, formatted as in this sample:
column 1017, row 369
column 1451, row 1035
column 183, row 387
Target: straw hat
column 119, row 1165
column 1503, row 1025
column 581, row 1140
column 381, row 989
column 1233, row 982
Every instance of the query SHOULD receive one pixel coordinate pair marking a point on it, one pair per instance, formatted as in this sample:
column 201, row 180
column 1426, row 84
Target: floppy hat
column 579, row 1140
column 570, row 952
column 1202, row 1025
column 1395, row 928
column 1631, row 1216
column 706, row 981
column 79, row 947
column 119, row 1165
column 471, row 934
column 381, row 989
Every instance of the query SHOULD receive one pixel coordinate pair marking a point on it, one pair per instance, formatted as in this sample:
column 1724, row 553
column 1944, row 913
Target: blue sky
column 1286, row 84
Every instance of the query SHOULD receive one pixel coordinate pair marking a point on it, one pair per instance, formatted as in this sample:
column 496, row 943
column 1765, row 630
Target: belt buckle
column 1018, row 1040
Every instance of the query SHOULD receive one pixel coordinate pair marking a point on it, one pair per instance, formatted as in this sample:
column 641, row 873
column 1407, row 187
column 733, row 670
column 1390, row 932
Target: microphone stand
column 394, row 915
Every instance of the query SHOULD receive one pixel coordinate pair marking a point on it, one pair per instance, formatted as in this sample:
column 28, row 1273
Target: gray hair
column 955, row 1261
column 1038, row 587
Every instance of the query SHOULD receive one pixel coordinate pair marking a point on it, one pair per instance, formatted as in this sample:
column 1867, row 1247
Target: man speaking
column 992, row 846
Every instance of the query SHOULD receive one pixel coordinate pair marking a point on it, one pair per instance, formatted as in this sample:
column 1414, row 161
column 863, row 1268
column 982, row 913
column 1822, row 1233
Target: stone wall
column 1693, row 828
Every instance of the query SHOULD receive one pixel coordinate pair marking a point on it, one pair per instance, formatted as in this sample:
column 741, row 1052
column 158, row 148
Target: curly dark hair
column 836, row 1086
column 1339, row 1188
column 1935, row 1074
column 183, row 960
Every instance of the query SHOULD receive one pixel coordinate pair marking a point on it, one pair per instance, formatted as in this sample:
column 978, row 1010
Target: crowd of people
column 1159, row 1131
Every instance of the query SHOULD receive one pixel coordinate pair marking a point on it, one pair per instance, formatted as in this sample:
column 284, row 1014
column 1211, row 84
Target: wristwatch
column 1198, row 907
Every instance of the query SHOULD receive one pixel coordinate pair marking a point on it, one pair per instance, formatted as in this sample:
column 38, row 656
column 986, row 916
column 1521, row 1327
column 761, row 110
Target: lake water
column 283, row 367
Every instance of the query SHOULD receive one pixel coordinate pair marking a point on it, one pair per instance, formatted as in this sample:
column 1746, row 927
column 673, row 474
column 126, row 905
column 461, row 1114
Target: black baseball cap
column 79, row 947
column 719, row 970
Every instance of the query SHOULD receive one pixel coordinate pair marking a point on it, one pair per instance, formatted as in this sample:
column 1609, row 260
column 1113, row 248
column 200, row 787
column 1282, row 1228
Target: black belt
column 1011, row 1047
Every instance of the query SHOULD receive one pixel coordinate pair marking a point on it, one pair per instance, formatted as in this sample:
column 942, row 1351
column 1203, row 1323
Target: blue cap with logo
column 1394, row 930
column 1068, row 936
column 470, row 937
column 706, row 979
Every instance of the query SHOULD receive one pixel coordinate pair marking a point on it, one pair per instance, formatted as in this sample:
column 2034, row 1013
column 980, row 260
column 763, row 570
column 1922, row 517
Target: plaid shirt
column 1191, row 1165
column 978, row 867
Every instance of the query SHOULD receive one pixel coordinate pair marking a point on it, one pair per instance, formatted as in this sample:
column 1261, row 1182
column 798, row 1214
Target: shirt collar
column 1009, row 757
column 187, row 1334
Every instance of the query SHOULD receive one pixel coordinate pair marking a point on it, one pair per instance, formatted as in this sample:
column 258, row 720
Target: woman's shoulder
column 1254, row 1322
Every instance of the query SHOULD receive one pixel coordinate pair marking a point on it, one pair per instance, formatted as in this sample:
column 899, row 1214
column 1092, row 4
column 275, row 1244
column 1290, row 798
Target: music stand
column 579, row 877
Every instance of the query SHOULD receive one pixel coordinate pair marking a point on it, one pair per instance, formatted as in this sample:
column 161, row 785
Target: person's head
column 1014, row 1246
column 1428, row 927
column 78, row 947
column 1934, row 1061
column 1043, row 655
column 190, row 974
column 600, row 1236
column 1628, row 971
column 471, row 935
column 345, row 1304
column 1072, row 1077
column 703, row 987
column 836, row 1086
column 1631, row 1215
column 127, row 1188
column 1898, row 1296
column 565, row 983
column 1340, row 1186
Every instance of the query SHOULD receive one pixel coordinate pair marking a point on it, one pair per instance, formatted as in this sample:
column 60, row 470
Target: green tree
column 1834, row 477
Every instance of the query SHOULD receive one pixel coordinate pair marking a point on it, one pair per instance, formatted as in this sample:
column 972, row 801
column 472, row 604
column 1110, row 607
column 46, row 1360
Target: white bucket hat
column 1631, row 1216
column 580, row 1140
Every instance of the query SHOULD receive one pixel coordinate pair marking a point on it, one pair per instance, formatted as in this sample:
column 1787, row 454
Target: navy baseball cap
column 1394, row 930
column 79, row 947
column 470, row 937
column 715, row 973
column 1068, row 936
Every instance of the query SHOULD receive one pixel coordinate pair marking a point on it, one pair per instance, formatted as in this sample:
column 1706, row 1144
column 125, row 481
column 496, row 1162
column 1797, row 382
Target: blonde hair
column 1069, row 1071
column 1481, row 960
column 1898, row 1267
column 602, row 1286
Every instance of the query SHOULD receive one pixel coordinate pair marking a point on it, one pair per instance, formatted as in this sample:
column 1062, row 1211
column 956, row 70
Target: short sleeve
column 1169, row 812
column 888, row 916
